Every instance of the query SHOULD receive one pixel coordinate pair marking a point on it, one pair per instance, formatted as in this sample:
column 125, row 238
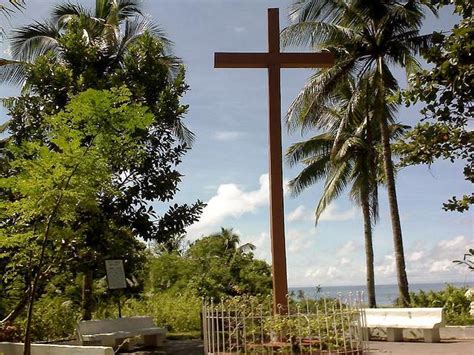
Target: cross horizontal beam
column 266, row 60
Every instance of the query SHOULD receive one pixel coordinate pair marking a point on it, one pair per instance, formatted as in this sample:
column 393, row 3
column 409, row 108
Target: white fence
column 245, row 325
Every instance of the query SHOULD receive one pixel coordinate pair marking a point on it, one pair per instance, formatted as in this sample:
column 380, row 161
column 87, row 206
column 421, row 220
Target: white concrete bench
column 396, row 319
column 113, row 332
column 54, row 349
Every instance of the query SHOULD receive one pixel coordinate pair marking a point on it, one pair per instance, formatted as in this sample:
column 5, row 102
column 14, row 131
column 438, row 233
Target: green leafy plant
column 452, row 299
column 467, row 260
column 176, row 312
column 55, row 318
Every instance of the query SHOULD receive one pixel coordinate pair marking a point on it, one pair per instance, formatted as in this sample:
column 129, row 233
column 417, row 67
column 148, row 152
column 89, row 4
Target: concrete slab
column 447, row 333
column 455, row 347
column 53, row 349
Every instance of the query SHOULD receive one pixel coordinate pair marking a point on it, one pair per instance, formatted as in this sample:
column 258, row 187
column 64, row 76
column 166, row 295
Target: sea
column 385, row 294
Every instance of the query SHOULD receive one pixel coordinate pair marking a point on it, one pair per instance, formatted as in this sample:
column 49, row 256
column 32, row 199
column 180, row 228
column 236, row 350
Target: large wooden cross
column 273, row 61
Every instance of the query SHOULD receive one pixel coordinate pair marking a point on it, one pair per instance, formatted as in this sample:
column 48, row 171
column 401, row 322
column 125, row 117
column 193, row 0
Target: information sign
column 115, row 274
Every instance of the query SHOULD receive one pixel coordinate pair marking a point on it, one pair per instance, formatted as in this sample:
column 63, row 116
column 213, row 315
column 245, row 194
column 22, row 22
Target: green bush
column 452, row 299
column 177, row 312
column 54, row 318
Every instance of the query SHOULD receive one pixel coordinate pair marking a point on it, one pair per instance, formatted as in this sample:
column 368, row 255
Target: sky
column 228, row 164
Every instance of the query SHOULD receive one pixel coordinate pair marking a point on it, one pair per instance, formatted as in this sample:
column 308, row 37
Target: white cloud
column 385, row 269
column 347, row 249
column 455, row 243
column 297, row 241
column 415, row 256
column 429, row 263
column 230, row 201
column 441, row 265
column 331, row 213
column 345, row 261
column 240, row 29
column 227, row 135
column 310, row 263
column 298, row 214
column 262, row 251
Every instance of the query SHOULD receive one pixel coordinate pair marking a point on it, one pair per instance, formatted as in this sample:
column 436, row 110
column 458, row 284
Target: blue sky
column 228, row 164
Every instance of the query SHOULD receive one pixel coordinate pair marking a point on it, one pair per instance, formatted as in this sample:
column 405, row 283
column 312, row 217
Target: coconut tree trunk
column 87, row 283
column 369, row 250
column 404, row 296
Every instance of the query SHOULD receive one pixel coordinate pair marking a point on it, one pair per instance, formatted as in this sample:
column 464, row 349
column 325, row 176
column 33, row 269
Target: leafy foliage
column 367, row 39
column 448, row 92
column 452, row 299
column 177, row 312
column 59, row 60
column 467, row 260
column 55, row 318
column 213, row 266
column 347, row 155
column 50, row 180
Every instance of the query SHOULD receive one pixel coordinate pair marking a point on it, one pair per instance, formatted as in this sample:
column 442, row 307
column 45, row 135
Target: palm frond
column 183, row 133
column 16, row 5
column 8, row 102
column 31, row 41
column 13, row 72
column 306, row 107
column 129, row 8
column 336, row 182
column 315, row 146
column 310, row 34
column 315, row 170
column 414, row 42
column 63, row 13
column 4, row 126
column 134, row 29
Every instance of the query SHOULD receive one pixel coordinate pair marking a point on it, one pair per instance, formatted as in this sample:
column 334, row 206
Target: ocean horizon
column 385, row 295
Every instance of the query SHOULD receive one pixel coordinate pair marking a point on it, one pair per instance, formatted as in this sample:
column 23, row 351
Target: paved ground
column 448, row 347
column 452, row 347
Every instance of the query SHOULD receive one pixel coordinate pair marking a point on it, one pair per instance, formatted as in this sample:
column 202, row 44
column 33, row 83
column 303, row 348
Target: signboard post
column 116, row 278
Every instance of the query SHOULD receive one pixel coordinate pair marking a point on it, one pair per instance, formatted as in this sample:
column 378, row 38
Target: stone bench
column 54, row 349
column 113, row 332
column 396, row 319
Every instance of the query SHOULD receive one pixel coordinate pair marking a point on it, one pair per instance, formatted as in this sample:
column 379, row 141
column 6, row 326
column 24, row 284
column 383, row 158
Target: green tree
column 52, row 181
column 214, row 266
column 112, row 27
column 357, row 163
column 448, row 92
column 365, row 37
column 137, row 56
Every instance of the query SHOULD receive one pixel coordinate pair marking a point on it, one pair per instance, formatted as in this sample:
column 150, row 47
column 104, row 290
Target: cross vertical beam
column 277, row 224
column 273, row 61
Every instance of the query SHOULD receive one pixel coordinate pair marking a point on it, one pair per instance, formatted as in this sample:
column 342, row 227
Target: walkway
column 448, row 347
column 451, row 347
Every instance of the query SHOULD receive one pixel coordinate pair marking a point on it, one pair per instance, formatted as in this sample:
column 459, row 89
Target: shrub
column 177, row 312
column 54, row 318
column 452, row 299
column 10, row 332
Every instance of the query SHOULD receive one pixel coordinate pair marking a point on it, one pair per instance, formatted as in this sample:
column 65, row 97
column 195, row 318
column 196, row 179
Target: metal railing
column 246, row 325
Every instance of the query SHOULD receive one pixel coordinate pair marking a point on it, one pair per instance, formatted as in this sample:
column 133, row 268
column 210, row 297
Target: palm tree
column 231, row 242
column 8, row 9
column 356, row 164
column 113, row 26
column 366, row 37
